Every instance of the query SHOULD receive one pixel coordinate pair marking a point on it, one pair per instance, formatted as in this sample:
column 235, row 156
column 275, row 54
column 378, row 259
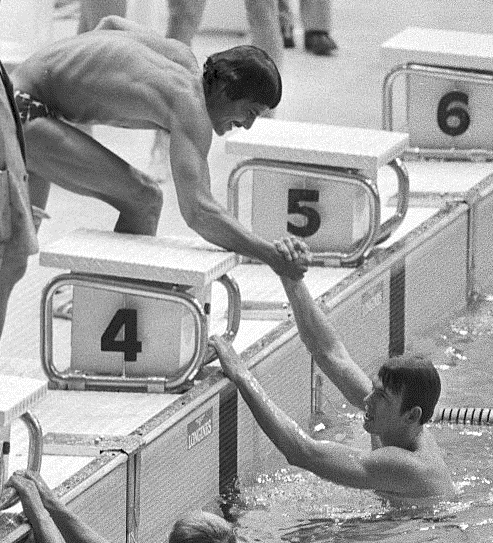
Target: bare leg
column 59, row 153
column 315, row 14
column 286, row 20
column 184, row 19
column 263, row 19
column 285, row 14
column 92, row 11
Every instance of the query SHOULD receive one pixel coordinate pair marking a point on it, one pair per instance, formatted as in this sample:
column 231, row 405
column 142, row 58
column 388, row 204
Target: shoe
column 287, row 36
column 319, row 42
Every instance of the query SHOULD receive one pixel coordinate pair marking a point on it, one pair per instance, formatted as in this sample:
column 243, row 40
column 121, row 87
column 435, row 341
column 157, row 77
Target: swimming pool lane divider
column 481, row 416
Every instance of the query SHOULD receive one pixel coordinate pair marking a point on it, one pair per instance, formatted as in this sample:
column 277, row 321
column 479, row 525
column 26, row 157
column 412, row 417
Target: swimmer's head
column 202, row 527
column 417, row 378
column 247, row 72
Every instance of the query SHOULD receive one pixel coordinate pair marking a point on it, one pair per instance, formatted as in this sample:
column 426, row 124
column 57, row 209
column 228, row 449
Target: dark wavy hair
column 248, row 72
column 417, row 378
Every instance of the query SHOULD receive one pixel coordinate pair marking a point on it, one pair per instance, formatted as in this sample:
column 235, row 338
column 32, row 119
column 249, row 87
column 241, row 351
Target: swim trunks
column 30, row 108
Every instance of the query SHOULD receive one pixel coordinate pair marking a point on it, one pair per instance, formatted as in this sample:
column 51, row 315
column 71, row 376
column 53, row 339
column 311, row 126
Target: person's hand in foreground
column 231, row 363
column 40, row 502
column 44, row 528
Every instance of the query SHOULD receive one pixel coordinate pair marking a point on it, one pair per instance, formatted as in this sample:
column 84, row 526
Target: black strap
column 9, row 88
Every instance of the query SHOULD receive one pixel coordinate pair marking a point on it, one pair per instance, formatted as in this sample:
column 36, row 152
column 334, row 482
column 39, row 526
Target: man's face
column 383, row 412
column 228, row 114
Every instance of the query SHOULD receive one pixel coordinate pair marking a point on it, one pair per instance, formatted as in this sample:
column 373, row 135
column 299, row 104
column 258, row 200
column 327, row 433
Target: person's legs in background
column 286, row 20
column 92, row 11
column 316, row 20
column 184, row 19
column 263, row 19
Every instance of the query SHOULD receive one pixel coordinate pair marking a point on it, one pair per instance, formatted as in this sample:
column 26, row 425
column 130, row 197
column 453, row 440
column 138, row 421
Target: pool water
column 293, row 505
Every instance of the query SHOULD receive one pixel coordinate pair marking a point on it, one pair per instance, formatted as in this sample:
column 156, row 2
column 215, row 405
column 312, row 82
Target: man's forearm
column 43, row 527
column 283, row 431
column 221, row 228
column 71, row 527
column 322, row 340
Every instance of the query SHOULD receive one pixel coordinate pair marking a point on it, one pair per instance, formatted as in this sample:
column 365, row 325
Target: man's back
column 110, row 77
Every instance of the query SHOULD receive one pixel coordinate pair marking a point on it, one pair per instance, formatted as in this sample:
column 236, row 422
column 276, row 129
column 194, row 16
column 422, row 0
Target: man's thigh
column 60, row 153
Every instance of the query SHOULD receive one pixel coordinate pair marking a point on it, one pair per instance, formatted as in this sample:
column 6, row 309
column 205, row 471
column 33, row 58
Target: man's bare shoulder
column 414, row 473
column 171, row 49
column 190, row 117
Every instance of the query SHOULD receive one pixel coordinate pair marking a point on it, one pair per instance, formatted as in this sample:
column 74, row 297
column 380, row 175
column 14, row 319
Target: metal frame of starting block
column 203, row 353
column 480, row 75
column 18, row 395
column 346, row 169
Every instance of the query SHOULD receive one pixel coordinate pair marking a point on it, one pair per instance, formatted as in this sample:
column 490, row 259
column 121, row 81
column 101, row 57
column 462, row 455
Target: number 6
column 452, row 115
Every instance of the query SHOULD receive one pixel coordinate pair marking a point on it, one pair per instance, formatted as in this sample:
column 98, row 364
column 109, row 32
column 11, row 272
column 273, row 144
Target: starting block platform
column 447, row 87
column 18, row 395
column 141, row 307
column 438, row 183
column 318, row 182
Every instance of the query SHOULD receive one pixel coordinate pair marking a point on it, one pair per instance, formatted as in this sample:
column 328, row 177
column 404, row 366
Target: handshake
column 296, row 254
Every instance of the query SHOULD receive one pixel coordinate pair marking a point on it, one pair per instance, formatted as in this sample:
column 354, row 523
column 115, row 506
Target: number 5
column 295, row 196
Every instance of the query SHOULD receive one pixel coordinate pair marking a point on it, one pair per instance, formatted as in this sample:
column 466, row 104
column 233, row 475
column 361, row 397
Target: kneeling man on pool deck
column 122, row 74
column 405, row 462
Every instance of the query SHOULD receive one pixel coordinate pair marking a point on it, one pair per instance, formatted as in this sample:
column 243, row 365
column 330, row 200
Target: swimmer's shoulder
column 173, row 50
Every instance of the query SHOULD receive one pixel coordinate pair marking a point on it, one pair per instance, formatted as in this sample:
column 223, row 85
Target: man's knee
column 151, row 198
column 141, row 215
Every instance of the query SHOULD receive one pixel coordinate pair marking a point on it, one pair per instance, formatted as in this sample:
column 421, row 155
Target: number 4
column 129, row 345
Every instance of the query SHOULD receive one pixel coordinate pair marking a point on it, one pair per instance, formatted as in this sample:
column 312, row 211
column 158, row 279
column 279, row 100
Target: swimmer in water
column 53, row 522
column 125, row 75
column 405, row 463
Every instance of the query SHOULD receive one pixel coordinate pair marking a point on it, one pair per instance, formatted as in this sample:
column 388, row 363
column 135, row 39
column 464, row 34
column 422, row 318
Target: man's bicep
column 188, row 159
column 391, row 469
column 337, row 462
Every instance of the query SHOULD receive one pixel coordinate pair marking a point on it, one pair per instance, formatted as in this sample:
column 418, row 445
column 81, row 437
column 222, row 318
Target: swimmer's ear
column 414, row 414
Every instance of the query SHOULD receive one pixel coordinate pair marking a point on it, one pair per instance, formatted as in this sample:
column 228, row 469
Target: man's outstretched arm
column 389, row 470
column 189, row 146
column 321, row 339
column 320, row 336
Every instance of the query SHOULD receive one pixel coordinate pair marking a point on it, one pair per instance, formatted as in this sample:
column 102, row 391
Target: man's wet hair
column 417, row 378
column 202, row 527
column 248, row 72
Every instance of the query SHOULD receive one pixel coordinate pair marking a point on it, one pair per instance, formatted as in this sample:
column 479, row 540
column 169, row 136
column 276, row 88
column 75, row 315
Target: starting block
column 17, row 396
column 140, row 309
column 318, row 182
column 448, row 91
